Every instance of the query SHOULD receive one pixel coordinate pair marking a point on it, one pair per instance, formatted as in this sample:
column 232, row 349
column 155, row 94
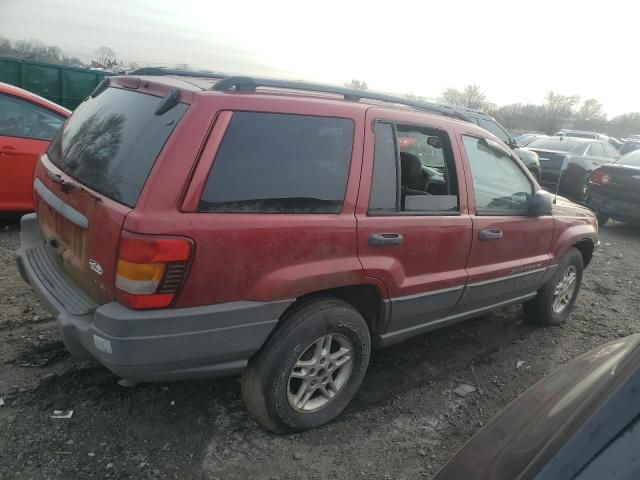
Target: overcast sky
column 514, row 50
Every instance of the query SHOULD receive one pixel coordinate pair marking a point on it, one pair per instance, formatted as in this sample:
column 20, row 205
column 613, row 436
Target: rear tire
column 555, row 300
column 309, row 369
column 582, row 189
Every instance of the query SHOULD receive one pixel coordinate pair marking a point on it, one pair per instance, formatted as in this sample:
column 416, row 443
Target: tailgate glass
column 111, row 142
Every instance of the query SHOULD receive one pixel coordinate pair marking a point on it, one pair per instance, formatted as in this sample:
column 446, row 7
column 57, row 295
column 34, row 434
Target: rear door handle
column 490, row 234
column 384, row 239
column 9, row 151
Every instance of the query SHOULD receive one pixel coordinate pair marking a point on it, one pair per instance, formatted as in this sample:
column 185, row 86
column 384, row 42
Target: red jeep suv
column 190, row 227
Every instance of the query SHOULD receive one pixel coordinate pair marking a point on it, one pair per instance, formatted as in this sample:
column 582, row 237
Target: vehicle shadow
column 415, row 362
column 624, row 230
column 436, row 355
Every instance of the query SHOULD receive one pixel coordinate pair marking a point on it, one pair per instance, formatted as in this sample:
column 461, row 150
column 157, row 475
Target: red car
column 27, row 125
column 188, row 228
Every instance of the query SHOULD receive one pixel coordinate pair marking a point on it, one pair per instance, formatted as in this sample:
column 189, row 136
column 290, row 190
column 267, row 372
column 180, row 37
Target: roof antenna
column 563, row 167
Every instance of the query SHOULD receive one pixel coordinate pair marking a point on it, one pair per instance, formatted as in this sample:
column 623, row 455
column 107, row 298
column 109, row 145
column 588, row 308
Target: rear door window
column 111, row 142
column 413, row 172
column 280, row 163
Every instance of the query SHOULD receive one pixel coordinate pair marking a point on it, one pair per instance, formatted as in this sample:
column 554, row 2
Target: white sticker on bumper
column 102, row 344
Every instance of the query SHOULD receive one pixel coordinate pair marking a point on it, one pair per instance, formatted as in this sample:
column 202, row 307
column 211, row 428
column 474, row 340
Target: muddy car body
column 236, row 226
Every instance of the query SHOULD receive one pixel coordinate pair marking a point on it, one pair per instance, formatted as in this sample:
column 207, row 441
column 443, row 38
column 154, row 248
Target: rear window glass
column 280, row 163
column 111, row 142
column 560, row 145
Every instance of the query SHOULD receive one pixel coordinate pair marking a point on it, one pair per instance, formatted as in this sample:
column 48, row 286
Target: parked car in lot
column 27, row 125
column 582, row 422
column 482, row 119
column 569, row 163
column 581, row 134
column 629, row 146
column 526, row 138
column 614, row 190
column 192, row 227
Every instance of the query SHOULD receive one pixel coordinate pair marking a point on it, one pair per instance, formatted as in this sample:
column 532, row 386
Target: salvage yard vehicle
column 567, row 163
column 614, row 190
column 27, row 125
column 581, row 422
column 193, row 227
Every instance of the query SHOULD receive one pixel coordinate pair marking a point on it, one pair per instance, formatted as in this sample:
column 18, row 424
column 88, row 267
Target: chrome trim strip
column 55, row 202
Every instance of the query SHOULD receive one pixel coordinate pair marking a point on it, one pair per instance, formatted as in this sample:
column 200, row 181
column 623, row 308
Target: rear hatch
column 624, row 185
column 551, row 162
column 91, row 178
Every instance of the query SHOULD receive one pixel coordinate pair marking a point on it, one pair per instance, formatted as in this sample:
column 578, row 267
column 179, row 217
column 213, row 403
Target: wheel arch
column 367, row 299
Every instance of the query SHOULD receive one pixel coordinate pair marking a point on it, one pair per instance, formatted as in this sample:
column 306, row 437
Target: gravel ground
column 404, row 423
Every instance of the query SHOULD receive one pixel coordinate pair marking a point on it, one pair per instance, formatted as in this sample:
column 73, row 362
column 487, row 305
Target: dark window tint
column 494, row 128
column 384, row 186
column 276, row 163
column 111, row 142
column 500, row 185
column 19, row 118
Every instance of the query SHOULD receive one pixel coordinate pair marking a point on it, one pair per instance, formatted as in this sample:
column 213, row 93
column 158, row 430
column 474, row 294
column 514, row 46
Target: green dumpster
column 66, row 86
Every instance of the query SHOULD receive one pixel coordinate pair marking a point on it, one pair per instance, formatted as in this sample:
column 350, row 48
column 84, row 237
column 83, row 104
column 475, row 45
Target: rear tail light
column 151, row 269
column 600, row 177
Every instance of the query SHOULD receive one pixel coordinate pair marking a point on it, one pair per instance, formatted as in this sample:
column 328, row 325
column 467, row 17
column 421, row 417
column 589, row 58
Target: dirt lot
column 404, row 423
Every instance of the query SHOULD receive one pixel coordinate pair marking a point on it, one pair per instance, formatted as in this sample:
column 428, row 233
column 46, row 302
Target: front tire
column 309, row 369
column 555, row 300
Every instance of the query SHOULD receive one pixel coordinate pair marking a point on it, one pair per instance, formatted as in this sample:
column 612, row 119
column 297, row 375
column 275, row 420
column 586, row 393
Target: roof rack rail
column 249, row 84
column 160, row 71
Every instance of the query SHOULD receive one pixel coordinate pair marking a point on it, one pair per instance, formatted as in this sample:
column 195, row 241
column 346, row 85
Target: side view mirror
column 541, row 204
column 513, row 143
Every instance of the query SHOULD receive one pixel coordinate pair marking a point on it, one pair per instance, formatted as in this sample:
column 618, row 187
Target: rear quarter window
column 280, row 163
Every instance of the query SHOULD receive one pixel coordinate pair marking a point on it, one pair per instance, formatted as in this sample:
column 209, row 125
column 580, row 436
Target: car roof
column 206, row 86
column 26, row 95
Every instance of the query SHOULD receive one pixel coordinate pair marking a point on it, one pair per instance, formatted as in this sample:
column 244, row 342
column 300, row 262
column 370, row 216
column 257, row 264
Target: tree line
column 38, row 51
column 557, row 112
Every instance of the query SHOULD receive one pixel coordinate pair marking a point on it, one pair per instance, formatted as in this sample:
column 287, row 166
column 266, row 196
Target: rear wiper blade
column 67, row 186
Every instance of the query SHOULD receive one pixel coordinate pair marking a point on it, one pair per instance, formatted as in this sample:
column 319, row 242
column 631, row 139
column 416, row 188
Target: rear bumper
column 616, row 209
column 149, row 345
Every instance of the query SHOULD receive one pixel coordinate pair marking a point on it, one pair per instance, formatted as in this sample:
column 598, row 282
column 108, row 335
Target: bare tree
column 105, row 56
column 558, row 111
column 470, row 97
column 357, row 84
column 624, row 125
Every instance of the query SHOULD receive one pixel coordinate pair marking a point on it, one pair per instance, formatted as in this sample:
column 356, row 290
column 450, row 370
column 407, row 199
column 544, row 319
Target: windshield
column 568, row 146
column 631, row 159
